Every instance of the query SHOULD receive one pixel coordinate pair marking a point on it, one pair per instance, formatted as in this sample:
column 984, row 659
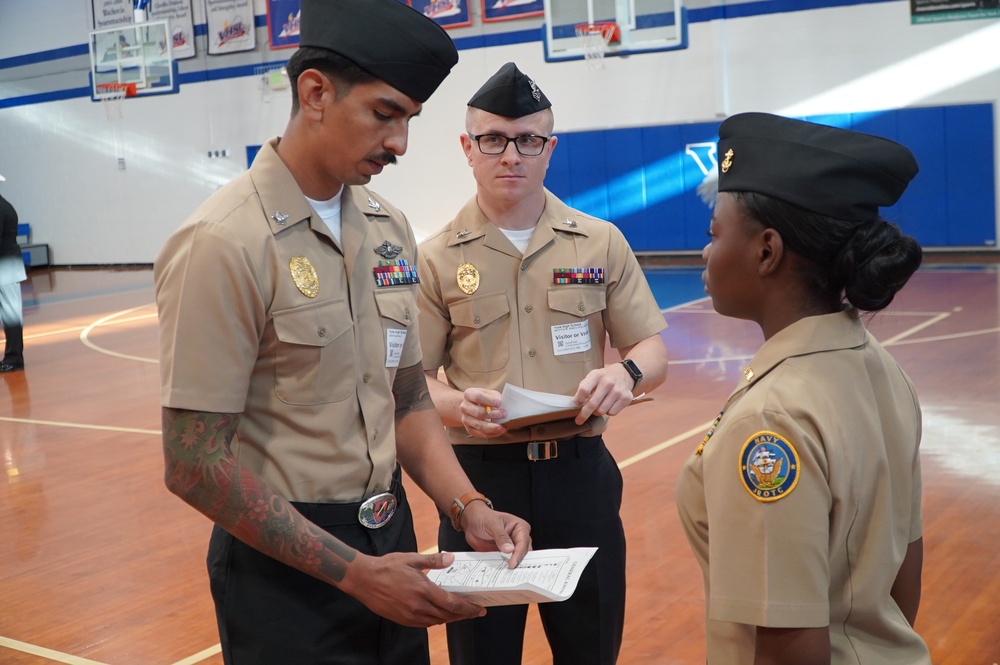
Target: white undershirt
column 519, row 238
column 329, row 212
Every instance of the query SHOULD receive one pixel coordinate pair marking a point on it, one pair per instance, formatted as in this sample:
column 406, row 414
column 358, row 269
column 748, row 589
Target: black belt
column 534, row 451
column 373, row 512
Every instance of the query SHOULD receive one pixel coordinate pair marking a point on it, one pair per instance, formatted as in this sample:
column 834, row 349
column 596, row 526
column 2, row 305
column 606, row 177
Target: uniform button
column 524, row 266
column 375, row 434
column 580, row 307
column 528, row 308
column 475, row 319
column 321, row 331
column 365, row 378
column 531, row 353
column 406, row 313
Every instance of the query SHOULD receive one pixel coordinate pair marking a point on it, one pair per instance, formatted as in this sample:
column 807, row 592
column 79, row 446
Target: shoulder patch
column 769, row 466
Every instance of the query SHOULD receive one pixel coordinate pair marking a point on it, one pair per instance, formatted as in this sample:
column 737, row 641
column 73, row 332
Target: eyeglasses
column 528, row 145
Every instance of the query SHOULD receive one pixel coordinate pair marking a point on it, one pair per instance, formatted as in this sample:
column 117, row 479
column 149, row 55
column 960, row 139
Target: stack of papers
column 530, row 407
column 542, row 576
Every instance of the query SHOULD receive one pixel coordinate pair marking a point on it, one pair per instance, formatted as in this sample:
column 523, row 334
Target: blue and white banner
column 230, row 26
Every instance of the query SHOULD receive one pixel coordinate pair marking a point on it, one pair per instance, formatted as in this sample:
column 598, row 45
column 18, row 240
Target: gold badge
column 304, row 275
column 468, row 278
column 728, row 161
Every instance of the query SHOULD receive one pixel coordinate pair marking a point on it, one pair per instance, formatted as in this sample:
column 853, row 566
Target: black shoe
column 11, row 367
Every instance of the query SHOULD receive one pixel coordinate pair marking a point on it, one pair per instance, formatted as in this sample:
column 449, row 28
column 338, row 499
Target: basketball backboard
column 138, row 54
column 643, row 26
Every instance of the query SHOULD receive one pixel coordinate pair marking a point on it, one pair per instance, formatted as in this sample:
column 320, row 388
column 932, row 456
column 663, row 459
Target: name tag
column 394, row 338
column 571, row 338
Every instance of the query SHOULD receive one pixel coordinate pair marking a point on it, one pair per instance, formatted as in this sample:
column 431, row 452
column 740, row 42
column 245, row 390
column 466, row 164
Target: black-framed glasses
column 528, row 145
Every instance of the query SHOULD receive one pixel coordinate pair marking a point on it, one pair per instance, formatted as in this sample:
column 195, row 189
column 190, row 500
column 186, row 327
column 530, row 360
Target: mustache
column 383, row 157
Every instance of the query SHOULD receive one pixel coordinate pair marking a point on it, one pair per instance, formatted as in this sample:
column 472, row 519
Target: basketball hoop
column 595, row 38
column 112, row 95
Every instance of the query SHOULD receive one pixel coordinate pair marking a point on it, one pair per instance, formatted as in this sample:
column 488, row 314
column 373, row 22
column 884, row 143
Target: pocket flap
column 400, row 306
column 315, row 324
column 479, row 311
column 581, row 301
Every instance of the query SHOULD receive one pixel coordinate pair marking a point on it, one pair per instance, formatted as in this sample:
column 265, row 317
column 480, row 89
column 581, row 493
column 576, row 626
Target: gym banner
column 230, row 26
column 939, row 11
column 178, row 12
column 109, row 13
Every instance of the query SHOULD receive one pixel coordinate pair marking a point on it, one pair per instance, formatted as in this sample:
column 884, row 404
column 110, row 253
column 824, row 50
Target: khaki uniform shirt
column 813, row 534
column 517, row 325
column 308, row 359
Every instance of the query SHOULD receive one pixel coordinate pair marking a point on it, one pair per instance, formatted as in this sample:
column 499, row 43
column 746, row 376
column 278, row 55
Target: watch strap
column 633, row 371
column 459, row 505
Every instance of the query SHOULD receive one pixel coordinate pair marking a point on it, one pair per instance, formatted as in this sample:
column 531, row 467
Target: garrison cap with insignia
column 835, row 172
column 386, row 38
column 510, row 93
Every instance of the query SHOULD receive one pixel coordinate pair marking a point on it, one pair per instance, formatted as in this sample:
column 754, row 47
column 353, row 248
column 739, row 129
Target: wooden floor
column 99, row 564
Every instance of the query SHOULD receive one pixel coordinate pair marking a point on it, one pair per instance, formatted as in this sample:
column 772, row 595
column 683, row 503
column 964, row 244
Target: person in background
column 802, row 504
column 291, row 378
column 11, row 275
column 521, row 289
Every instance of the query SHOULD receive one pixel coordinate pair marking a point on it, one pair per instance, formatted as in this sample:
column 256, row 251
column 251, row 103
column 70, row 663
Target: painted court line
column 35, row 650
column 54, row 423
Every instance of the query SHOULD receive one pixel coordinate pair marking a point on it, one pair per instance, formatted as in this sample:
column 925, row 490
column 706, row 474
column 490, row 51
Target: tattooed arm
column 201, row 469
column 424, row 451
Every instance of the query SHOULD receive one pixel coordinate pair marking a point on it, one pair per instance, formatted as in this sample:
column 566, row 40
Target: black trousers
column 271, row 614
column 571, row 501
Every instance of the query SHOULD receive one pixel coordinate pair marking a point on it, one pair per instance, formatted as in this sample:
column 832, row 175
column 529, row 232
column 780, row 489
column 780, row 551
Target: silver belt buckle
column 376, row 511
column 542, row 450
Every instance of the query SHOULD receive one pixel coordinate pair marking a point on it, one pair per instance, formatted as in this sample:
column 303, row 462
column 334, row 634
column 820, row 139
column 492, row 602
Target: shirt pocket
column 573, row 304
column 480, row 337
column 314, row 356
column 398, row 311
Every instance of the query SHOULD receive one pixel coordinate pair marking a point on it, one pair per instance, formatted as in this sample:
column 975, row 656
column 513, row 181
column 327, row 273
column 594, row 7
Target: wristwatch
column 459, row 505
column 633, row 371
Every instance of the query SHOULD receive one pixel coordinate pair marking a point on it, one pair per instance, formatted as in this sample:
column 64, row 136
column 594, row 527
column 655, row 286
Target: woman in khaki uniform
column 802, row 505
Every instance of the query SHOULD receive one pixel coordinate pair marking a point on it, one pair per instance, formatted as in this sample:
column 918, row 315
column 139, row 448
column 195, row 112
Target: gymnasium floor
column 99, row 564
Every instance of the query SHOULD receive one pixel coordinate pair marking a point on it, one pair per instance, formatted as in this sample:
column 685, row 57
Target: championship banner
column 178, row 12
column 230, row 26
column 282, row 23
column 109, row 13
column 939, row 11
column 446, row 13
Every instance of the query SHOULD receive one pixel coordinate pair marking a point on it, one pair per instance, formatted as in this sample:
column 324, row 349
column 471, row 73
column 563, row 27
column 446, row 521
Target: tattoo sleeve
column 201, row 469
column 410, row 391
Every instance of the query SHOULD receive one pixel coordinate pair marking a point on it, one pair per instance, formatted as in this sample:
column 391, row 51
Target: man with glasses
column 520, row 288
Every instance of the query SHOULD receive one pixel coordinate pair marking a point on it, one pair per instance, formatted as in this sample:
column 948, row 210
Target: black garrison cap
column 510, row 93
column 387, row 38
column 831, row 171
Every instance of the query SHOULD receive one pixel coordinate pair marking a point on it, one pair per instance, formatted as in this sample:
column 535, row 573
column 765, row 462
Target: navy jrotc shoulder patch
column 769, row 466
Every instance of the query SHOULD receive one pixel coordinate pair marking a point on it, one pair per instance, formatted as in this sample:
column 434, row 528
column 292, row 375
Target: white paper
column 543, row 576
column 521, row 402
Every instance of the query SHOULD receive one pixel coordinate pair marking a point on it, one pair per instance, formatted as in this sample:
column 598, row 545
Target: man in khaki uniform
column 521, row 289
column 291, row 378
column 802, row 505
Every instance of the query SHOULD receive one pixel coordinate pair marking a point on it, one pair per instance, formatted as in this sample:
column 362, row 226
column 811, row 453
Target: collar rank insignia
column 395, row 272
column 748, row 373
column 578, row 275
column 387, row 250
column 769, row 466
column 463, row 233
column 374, row 205
column 571, row 223
column 280, row 217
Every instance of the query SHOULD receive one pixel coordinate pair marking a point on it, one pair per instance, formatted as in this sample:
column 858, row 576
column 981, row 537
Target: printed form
column 543, row 576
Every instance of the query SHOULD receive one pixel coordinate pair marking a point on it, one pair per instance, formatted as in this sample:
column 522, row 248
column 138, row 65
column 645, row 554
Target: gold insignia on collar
column 463, row 233
column 571, row 223
column 468, row 278
column 304, row 276
column 374, row 205
column 748, row 372
column 280, row 217
column 728, row 161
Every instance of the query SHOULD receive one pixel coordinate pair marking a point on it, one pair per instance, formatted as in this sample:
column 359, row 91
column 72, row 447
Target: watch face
column 632, row 369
